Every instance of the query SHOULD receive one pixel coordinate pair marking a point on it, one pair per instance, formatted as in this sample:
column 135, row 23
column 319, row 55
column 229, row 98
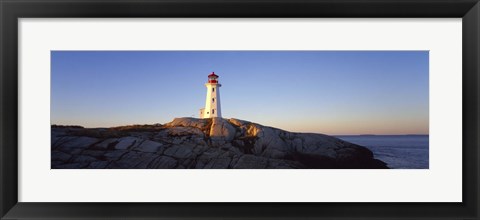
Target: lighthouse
column 212, row 104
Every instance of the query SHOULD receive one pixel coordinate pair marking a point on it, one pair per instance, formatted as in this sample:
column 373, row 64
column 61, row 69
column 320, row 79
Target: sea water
column 398, row 151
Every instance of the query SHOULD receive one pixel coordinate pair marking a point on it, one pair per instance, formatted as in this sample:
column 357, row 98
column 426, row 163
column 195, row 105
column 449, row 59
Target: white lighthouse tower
column 212, row 103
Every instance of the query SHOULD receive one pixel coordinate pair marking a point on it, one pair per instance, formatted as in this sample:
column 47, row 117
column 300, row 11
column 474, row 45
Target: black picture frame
column 12, row 10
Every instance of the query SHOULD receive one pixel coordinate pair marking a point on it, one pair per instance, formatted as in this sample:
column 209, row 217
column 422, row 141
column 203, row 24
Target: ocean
column 398, row 151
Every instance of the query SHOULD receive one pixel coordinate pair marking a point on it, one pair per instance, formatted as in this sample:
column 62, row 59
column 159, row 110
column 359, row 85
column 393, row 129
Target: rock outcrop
column 190, row 143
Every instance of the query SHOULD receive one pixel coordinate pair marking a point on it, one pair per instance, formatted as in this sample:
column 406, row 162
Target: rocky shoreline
column 214, row 143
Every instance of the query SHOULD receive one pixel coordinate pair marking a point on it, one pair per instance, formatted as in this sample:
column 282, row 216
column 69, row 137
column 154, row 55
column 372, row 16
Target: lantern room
column 212, row 78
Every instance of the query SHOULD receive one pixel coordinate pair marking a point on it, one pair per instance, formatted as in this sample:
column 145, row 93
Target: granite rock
column 214, row 143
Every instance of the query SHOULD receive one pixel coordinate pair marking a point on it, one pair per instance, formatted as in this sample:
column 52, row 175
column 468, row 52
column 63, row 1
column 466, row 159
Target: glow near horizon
column 330, row 92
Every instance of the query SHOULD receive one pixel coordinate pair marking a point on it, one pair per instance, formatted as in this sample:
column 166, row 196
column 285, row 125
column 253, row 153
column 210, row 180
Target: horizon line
column 367, row 134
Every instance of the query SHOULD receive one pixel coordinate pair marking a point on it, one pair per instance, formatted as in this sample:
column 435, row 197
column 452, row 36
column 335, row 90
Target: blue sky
column 331, row 92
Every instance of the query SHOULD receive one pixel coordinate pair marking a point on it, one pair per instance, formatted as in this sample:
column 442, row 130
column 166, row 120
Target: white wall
column 212, row 105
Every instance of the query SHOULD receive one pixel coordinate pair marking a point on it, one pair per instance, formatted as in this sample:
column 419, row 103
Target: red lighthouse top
column 212, row 78
column 212, row 74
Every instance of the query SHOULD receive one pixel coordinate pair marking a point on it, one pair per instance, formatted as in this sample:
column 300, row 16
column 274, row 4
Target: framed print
column 276, row 109
column 84, row 143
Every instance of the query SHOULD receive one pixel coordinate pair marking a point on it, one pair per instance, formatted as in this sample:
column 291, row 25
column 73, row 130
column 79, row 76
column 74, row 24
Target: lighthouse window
column 213, row 111
column 213, row 99
column 213, row 89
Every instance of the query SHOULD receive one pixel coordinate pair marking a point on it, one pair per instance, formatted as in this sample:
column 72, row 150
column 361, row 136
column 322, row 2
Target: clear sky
column 330, row 92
